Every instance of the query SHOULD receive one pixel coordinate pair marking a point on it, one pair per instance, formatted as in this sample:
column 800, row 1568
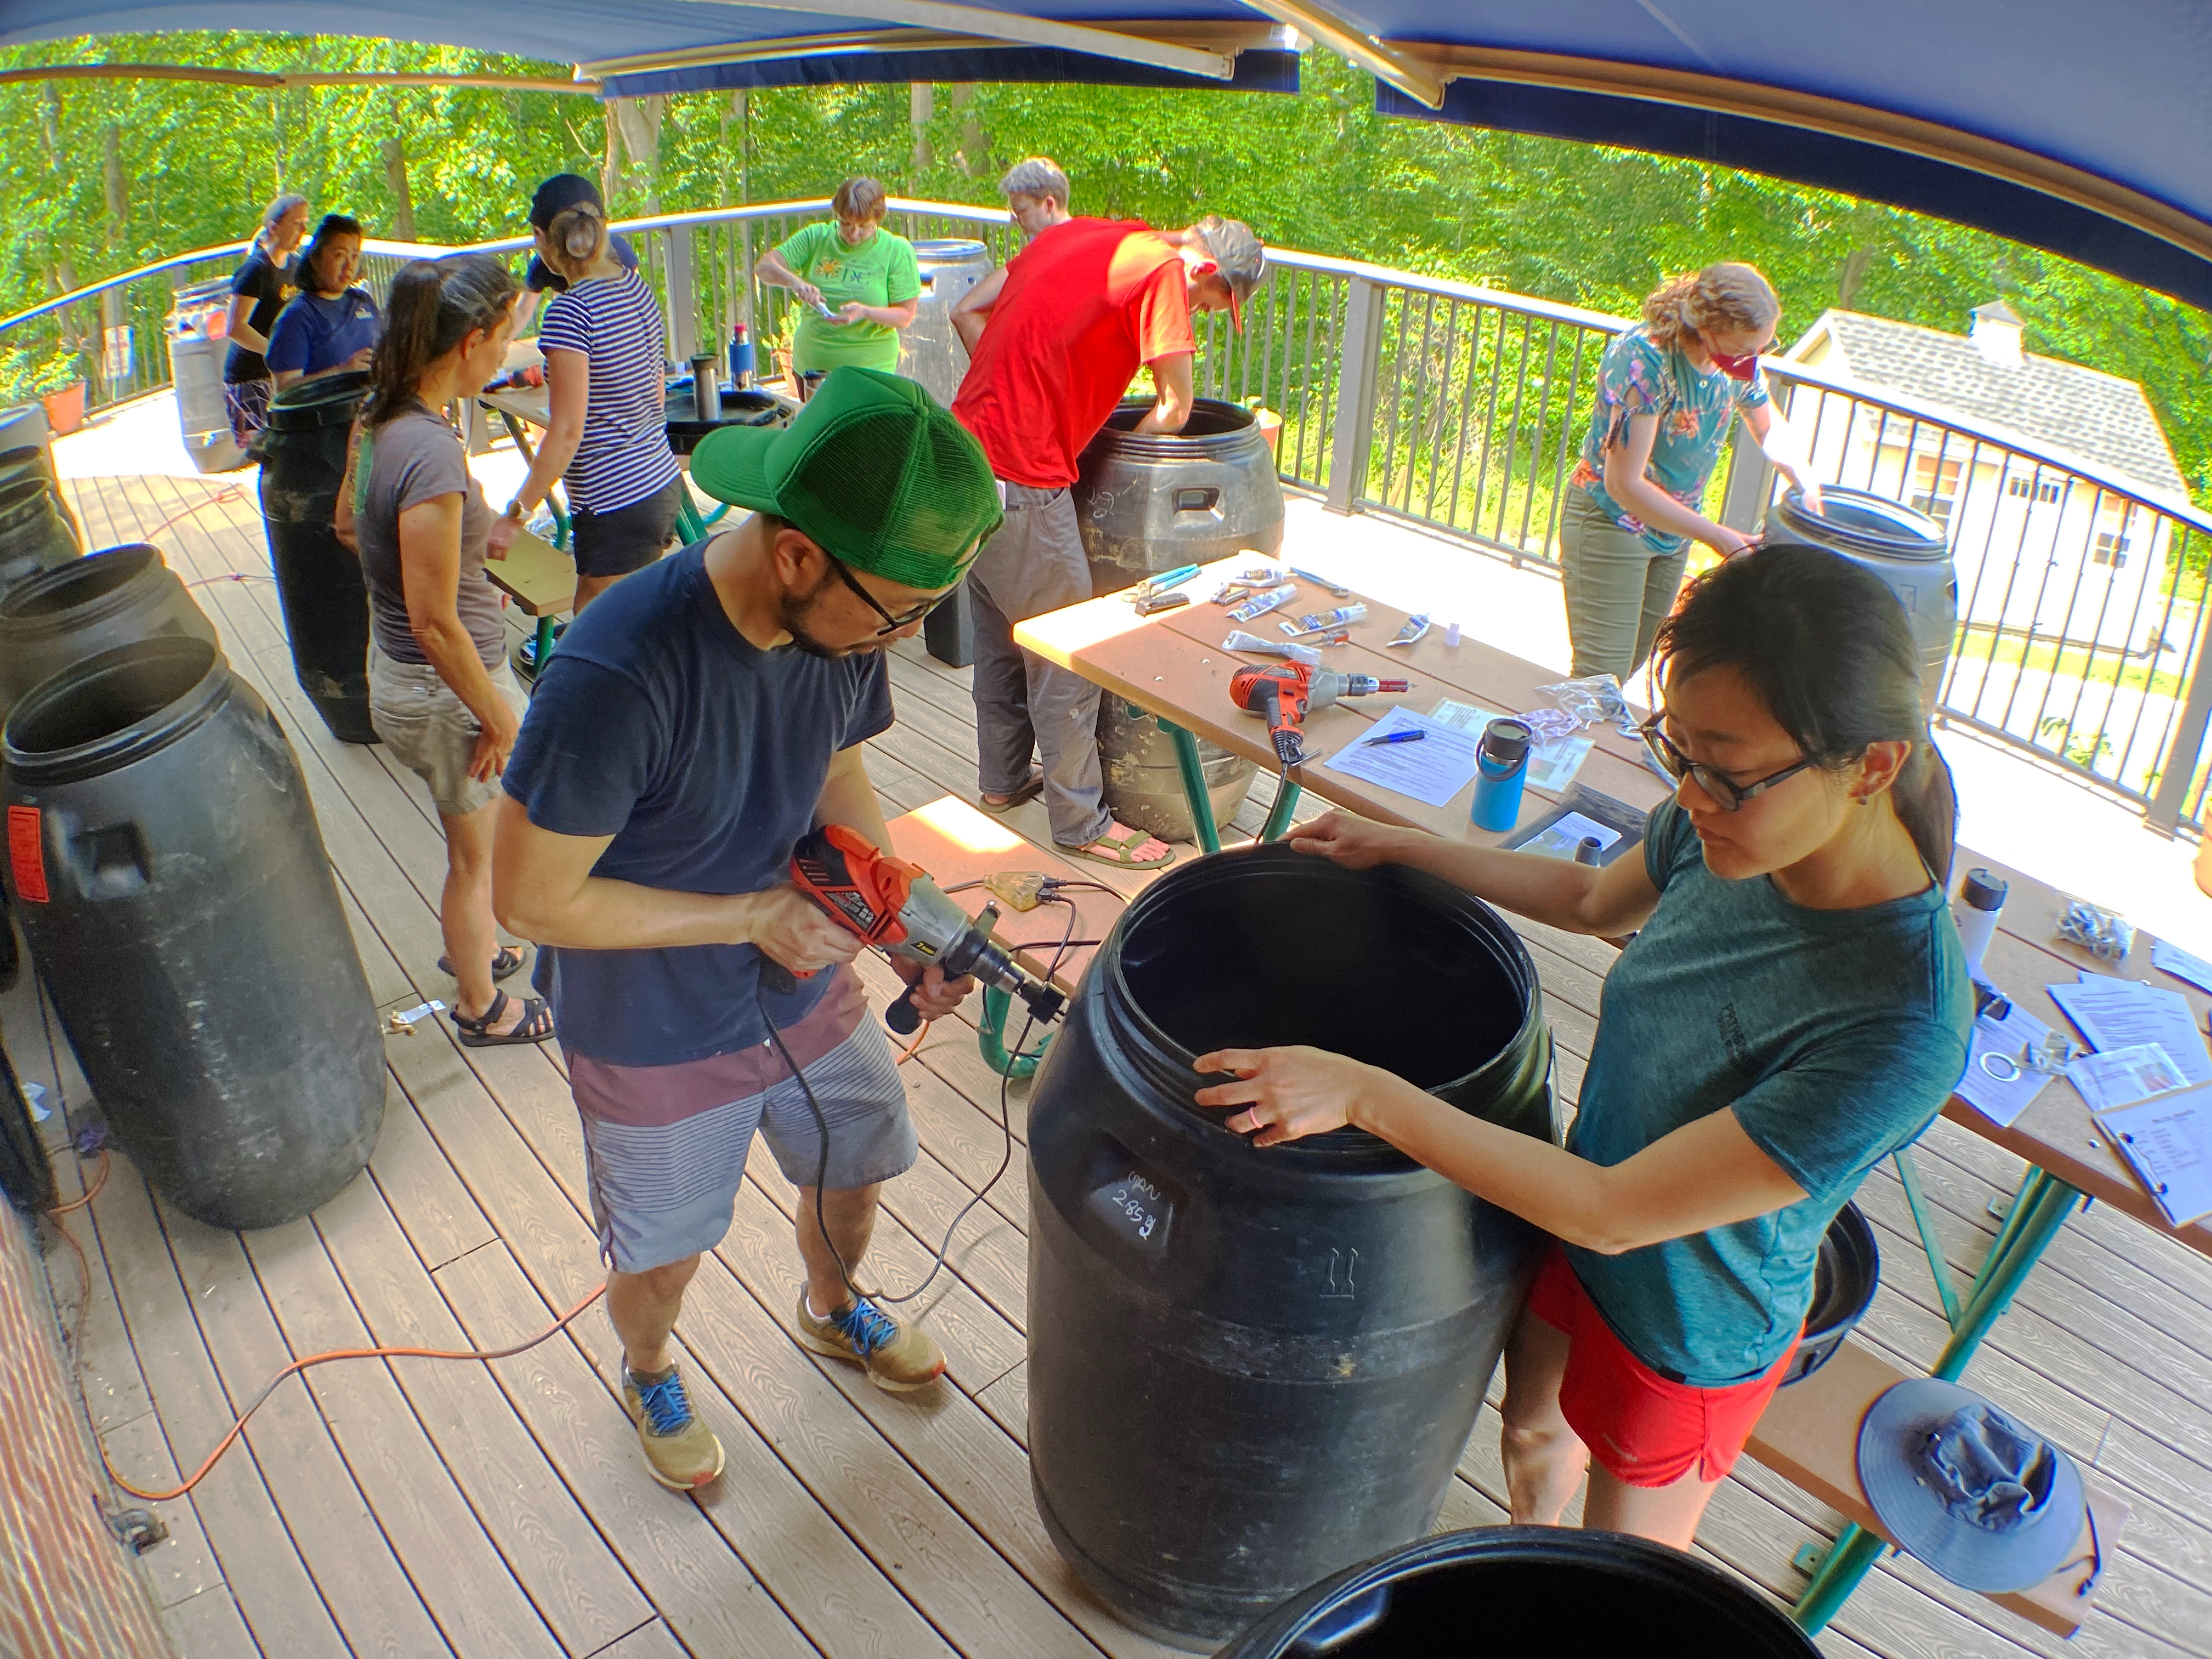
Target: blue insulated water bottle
column 741, row 359
column 1501, row 767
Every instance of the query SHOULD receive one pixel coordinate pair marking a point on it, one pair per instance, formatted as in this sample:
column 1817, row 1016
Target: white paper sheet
column 1562, row 839
column 1998, row 1083
column 2168, row 1140
column 2179, row 961
column 1552, row 766
column 1431, row 771
column 2121, row 1077
column 2119, row 1013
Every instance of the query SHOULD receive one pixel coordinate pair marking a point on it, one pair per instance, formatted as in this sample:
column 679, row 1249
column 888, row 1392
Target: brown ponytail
column 1726, row 297
column 1828, row 649
column 576, row 237
column 435, row 304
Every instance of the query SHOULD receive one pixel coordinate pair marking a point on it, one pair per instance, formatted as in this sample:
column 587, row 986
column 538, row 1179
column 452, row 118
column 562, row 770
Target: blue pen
column 1412, row 734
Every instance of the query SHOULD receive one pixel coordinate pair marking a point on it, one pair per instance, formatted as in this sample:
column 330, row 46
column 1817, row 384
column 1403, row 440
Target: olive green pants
column 1618, row 590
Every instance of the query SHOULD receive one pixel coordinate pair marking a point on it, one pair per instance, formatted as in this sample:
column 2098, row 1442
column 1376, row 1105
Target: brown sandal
column 1027, row 789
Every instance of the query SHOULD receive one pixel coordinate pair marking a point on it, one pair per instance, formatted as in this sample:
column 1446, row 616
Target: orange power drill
column 895, row 907
column 1286, row 693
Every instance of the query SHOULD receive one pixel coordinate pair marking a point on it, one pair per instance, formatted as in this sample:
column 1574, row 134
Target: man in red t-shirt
column 1054, row 340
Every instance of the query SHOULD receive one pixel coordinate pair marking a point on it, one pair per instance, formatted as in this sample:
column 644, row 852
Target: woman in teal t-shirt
column 855, row 271
column 1669, row 390
column 1794, row 1008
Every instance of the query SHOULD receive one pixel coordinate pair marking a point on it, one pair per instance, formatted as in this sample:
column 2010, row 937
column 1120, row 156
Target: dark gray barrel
column 115, row 597
column 1151, row 502
column 1906, row 548
column 35, row 461
column 1844, row 1277
column 1251, row 1368
column 169, row 877
column 1143, row 782
column 198, row 333
column 1520, row 1592
column 34, row 535
column 930, row 351
column 303, row 452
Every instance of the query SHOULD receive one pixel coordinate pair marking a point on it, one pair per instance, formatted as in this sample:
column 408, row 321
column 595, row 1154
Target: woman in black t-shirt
column 257, row 296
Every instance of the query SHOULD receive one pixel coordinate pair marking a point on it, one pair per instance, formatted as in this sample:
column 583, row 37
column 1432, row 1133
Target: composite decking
column 418, row 1508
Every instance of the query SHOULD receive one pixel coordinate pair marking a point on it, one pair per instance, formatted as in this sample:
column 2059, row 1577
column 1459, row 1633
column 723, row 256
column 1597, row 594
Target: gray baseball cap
column 1239, row 256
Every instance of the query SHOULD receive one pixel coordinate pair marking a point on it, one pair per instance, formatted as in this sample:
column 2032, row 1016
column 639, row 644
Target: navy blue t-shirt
column 313, row 333
column 658, row 723
column 541, row 277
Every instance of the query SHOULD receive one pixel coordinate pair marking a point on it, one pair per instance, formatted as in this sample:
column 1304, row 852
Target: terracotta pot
column 65, row 408
column 1271, row 429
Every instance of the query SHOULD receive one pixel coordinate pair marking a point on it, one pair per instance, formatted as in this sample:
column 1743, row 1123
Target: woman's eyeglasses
column 891, row 624
column 1727, row 795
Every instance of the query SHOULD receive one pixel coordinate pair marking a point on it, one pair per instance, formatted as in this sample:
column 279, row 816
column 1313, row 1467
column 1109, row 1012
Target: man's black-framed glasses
column 1727, row 794
column 891, row 624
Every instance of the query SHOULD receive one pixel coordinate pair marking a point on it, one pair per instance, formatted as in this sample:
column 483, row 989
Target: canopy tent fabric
column 2081, row 129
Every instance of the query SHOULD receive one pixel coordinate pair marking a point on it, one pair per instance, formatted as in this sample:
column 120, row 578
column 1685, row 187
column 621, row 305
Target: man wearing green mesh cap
column 699, row 718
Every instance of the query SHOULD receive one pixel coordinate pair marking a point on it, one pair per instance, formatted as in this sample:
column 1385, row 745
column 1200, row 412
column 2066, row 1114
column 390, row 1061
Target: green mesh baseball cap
column 873, row 469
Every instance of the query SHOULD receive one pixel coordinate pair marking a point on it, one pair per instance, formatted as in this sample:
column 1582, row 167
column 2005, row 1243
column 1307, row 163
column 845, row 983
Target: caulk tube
column 1981, row 895
column 1501, row 767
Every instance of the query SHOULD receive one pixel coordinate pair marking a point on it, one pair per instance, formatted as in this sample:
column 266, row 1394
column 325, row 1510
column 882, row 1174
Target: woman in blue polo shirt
column 1794, row 1009
column 329, row 325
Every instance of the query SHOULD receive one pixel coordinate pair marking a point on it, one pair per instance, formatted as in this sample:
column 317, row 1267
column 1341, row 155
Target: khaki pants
column 1035, row 564
column 1618, row 590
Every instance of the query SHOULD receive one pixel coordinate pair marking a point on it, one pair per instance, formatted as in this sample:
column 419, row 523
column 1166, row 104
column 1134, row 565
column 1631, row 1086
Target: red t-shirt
column 1084, row 305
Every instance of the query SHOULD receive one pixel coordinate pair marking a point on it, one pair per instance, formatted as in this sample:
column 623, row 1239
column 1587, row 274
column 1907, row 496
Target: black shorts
column 629, row 538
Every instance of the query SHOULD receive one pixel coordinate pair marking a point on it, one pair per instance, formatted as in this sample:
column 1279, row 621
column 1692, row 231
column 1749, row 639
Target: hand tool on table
column 897, row 907
column 1324, row 621
column 1411, row 633
column 1152, row 586
column 1336, row 589
column 1286, row 693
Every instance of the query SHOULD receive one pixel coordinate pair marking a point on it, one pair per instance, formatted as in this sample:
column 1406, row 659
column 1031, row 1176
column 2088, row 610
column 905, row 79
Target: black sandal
column 505, row 965
column 536, row 1024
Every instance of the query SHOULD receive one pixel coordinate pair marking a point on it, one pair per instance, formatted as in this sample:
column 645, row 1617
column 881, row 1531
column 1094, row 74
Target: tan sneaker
column 898, row 1357
column 681, row 1451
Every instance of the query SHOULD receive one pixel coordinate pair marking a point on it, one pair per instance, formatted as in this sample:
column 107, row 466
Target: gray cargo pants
column 1033, row 565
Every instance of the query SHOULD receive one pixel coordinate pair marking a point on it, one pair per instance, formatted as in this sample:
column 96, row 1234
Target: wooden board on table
column 537, row 575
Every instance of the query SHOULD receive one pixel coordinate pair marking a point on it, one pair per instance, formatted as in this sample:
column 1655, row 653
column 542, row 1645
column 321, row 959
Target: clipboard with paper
column 2166, row 1140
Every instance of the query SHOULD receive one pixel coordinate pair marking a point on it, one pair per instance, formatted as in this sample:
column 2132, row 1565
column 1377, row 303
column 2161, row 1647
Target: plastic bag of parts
column 1549, row 723
column 2101, row 933
column 1593, row 699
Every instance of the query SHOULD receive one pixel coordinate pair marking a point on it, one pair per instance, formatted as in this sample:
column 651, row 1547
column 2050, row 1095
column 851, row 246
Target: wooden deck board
column 364, row 1505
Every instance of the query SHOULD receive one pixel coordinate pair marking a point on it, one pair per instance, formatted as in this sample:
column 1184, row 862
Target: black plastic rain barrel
column 1528, row 1593
column 1249, row 1369
column 1845, row 1278
column 1906, row 548
column 115, row 597
column 34, row 535
column 167, row 868
column 34, row 460
column 1153, row 501
column 303, row 452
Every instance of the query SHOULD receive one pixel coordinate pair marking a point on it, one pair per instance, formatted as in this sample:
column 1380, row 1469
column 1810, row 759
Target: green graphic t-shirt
column 881, row 272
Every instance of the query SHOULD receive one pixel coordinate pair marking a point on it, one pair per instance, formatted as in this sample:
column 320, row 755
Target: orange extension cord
column 238, row 1424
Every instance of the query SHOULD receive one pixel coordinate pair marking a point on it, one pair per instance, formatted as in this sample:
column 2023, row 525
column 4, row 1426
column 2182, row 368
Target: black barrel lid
column 1983, row 891
column 326, row 400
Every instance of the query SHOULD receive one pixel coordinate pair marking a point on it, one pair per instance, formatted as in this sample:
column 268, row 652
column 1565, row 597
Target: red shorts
column 1644, row 1429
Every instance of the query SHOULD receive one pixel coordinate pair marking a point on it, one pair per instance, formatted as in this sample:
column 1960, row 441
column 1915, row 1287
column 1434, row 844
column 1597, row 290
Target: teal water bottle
column 1501, row 767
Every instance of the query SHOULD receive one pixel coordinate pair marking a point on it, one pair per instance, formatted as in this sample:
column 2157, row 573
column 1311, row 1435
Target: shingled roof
column 2099, row 416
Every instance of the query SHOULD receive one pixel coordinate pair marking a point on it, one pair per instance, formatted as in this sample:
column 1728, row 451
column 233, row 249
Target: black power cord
column 1066, row 943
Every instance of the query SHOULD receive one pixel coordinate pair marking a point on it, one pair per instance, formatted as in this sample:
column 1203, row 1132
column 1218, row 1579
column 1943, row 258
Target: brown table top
column 1173, row 665
column 537, row 575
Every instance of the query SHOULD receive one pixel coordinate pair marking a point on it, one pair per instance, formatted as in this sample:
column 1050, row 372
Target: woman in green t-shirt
column 858, row 284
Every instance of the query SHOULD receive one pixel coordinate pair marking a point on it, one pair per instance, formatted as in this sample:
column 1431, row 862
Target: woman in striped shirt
column 604, row 346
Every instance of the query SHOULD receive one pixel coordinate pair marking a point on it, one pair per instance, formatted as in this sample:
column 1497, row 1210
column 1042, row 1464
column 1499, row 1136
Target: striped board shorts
column 664, row 1147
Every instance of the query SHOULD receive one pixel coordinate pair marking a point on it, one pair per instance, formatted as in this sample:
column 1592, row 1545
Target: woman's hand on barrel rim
column 1288, row 1093
column 1344, row 838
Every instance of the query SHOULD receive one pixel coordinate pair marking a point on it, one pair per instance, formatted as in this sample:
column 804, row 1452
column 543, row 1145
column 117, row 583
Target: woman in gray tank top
column 442, row 695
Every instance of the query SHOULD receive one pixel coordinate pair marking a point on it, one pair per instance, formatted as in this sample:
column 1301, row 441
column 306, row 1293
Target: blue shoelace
column 667, row 1410
column 866, row 1326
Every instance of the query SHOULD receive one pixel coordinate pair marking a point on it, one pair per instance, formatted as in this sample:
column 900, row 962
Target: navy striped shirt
column 624, row 456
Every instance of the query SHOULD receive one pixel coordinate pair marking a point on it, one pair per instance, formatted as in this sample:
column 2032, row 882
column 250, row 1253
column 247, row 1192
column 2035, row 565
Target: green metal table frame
column 2038, row 1210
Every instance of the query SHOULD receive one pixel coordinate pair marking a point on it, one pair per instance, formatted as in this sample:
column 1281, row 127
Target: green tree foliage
column 1320, row 171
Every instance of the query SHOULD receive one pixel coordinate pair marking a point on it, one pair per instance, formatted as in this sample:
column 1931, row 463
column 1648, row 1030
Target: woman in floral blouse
column 1668, row 391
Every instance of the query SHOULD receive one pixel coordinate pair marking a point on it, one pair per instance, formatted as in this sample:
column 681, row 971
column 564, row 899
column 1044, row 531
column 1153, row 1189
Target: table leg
column 688, row 524
column 1909, row 1173
column 2037, row 1212
column 1193, row 785
column 991, row 1038
column 1278, row 815
column 529, row 458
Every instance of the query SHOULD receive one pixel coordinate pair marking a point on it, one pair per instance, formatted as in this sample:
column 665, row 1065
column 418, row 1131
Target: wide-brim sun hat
column 1969, row 1489
column 873, row 470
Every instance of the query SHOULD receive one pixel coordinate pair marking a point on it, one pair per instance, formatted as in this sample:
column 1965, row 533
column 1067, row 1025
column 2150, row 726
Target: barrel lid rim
column 62, row 575
column 113, row 750
column 1910, row 544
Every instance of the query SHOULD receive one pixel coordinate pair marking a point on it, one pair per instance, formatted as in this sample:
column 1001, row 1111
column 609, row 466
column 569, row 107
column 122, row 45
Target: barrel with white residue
column 1248, row 1369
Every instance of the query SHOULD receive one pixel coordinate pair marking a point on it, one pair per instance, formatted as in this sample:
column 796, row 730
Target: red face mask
column 1736, row 368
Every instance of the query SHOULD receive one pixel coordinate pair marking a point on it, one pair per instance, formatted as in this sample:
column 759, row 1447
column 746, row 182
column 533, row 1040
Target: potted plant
column 54, row 381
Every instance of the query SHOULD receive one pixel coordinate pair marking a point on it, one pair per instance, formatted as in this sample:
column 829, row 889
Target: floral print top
column 1695, row 409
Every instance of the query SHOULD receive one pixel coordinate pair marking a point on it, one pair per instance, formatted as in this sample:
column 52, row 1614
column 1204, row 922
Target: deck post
column 1359, row 357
